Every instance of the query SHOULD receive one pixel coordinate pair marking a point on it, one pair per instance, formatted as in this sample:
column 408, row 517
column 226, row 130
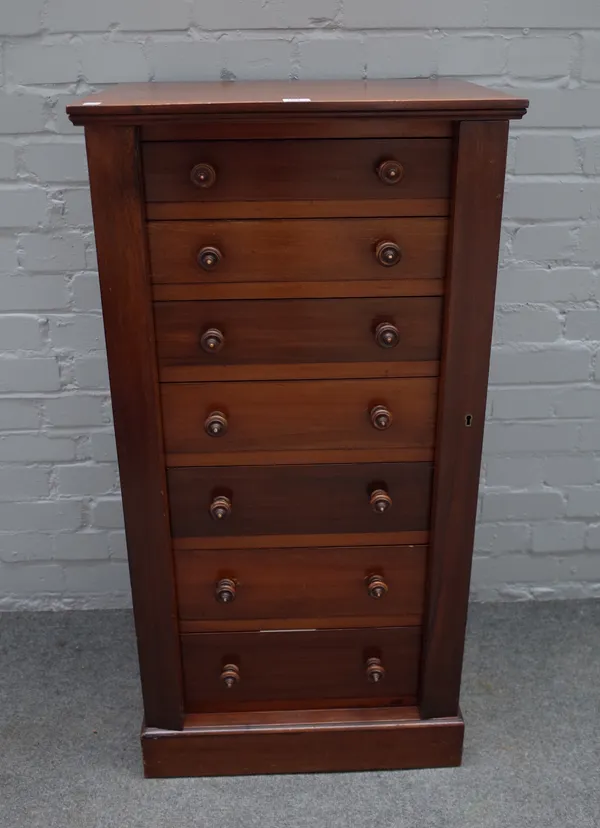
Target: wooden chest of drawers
column 298, row 284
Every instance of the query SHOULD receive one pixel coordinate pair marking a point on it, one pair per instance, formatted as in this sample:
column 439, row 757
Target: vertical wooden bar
column 118, row 205
column 471, row 282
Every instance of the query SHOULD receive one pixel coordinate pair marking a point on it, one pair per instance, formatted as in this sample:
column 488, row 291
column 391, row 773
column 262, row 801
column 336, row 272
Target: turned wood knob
column 375, row 670
column 212, row 340
column 390, row 172
column 209, row 258
column 216, row 424
column 387, row 335
column 220, row 508
column 380, row 501
column 230, row 675
column 203, row 175
column 388, row 253
column 376, row 586
column 381, row 417
column 225, row 591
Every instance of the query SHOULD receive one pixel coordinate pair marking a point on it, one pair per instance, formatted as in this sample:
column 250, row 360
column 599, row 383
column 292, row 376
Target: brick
column 56, row 161
column 78, row 207
column 544, row 437
column 589, row 437
column 331, row 57
column 134, row 15
column 538, row 154
column 31, row 580
column 91, row 372
column 60, row 120
column 20, row 333
column 109, row 62
column 522, row 403
column 588, row 249
column 35, row 448
column 514, row 472
column 52, row 253
column 21, row 18
column 8, row 161
column 552, row 14
column 185, row 61
column 550, row 364
column 499, row 538
column 543, row 56
column 36, row 63
column 592, row 540
column 400, row 55
column 563, row 107
column 80, row 546
column 37, row 293
column 578, row 402
column 550, row 200
column 260, row 59
column 543, row 242
column 22, row 206
column 528, row 325
column 75, row 410
column 583, row 501
column 19, row 414
column 382, row 14
column 23, row 483
column 29, row 374
column 256, row 14
column 117, row 545
column 590, row 148
column 8, row 254
column 522, row 505
column 79, row 332
column 570, row 471
column 21, row 113
column 44, row 515
column 583, row 324
column 472, row 55
column 590, row 69
column 107, row 513
column 105, row 577
column 562, row 284
column 24, row 546
column 86, row 292
column 104, row 447
column 85, row 479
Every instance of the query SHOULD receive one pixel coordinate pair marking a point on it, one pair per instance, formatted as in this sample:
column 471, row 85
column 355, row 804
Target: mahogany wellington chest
column 298, row 286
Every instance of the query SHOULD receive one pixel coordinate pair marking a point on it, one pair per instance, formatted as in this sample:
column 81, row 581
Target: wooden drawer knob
column 230, row 675
column 381, row 417
column 220, row 508
column 203, row 175
column 212, row 340
column 380, row 501
column 216, row 424
column 375, row 670
column 390, row 172
column 209, row 258
column 387, row 335
column 376, row 586
column 225, row 591
column 388, row 253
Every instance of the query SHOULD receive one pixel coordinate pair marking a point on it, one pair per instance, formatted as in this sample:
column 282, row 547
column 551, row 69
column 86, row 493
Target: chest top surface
column 142, row 102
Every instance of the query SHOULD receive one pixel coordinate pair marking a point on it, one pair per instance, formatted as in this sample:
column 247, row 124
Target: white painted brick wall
column 538, row 536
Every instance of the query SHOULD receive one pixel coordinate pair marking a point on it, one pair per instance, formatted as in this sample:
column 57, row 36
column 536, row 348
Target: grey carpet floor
column 70, row 714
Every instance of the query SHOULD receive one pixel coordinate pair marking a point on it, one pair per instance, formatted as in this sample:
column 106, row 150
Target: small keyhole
column 468, row 420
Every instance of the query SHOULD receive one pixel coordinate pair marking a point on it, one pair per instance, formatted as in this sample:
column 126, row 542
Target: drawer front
column 205, row 336
column 318, row 169
column 268, row 669
column 297, row 250
column 266, row 589
column 289, row 500
column 210, row 417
